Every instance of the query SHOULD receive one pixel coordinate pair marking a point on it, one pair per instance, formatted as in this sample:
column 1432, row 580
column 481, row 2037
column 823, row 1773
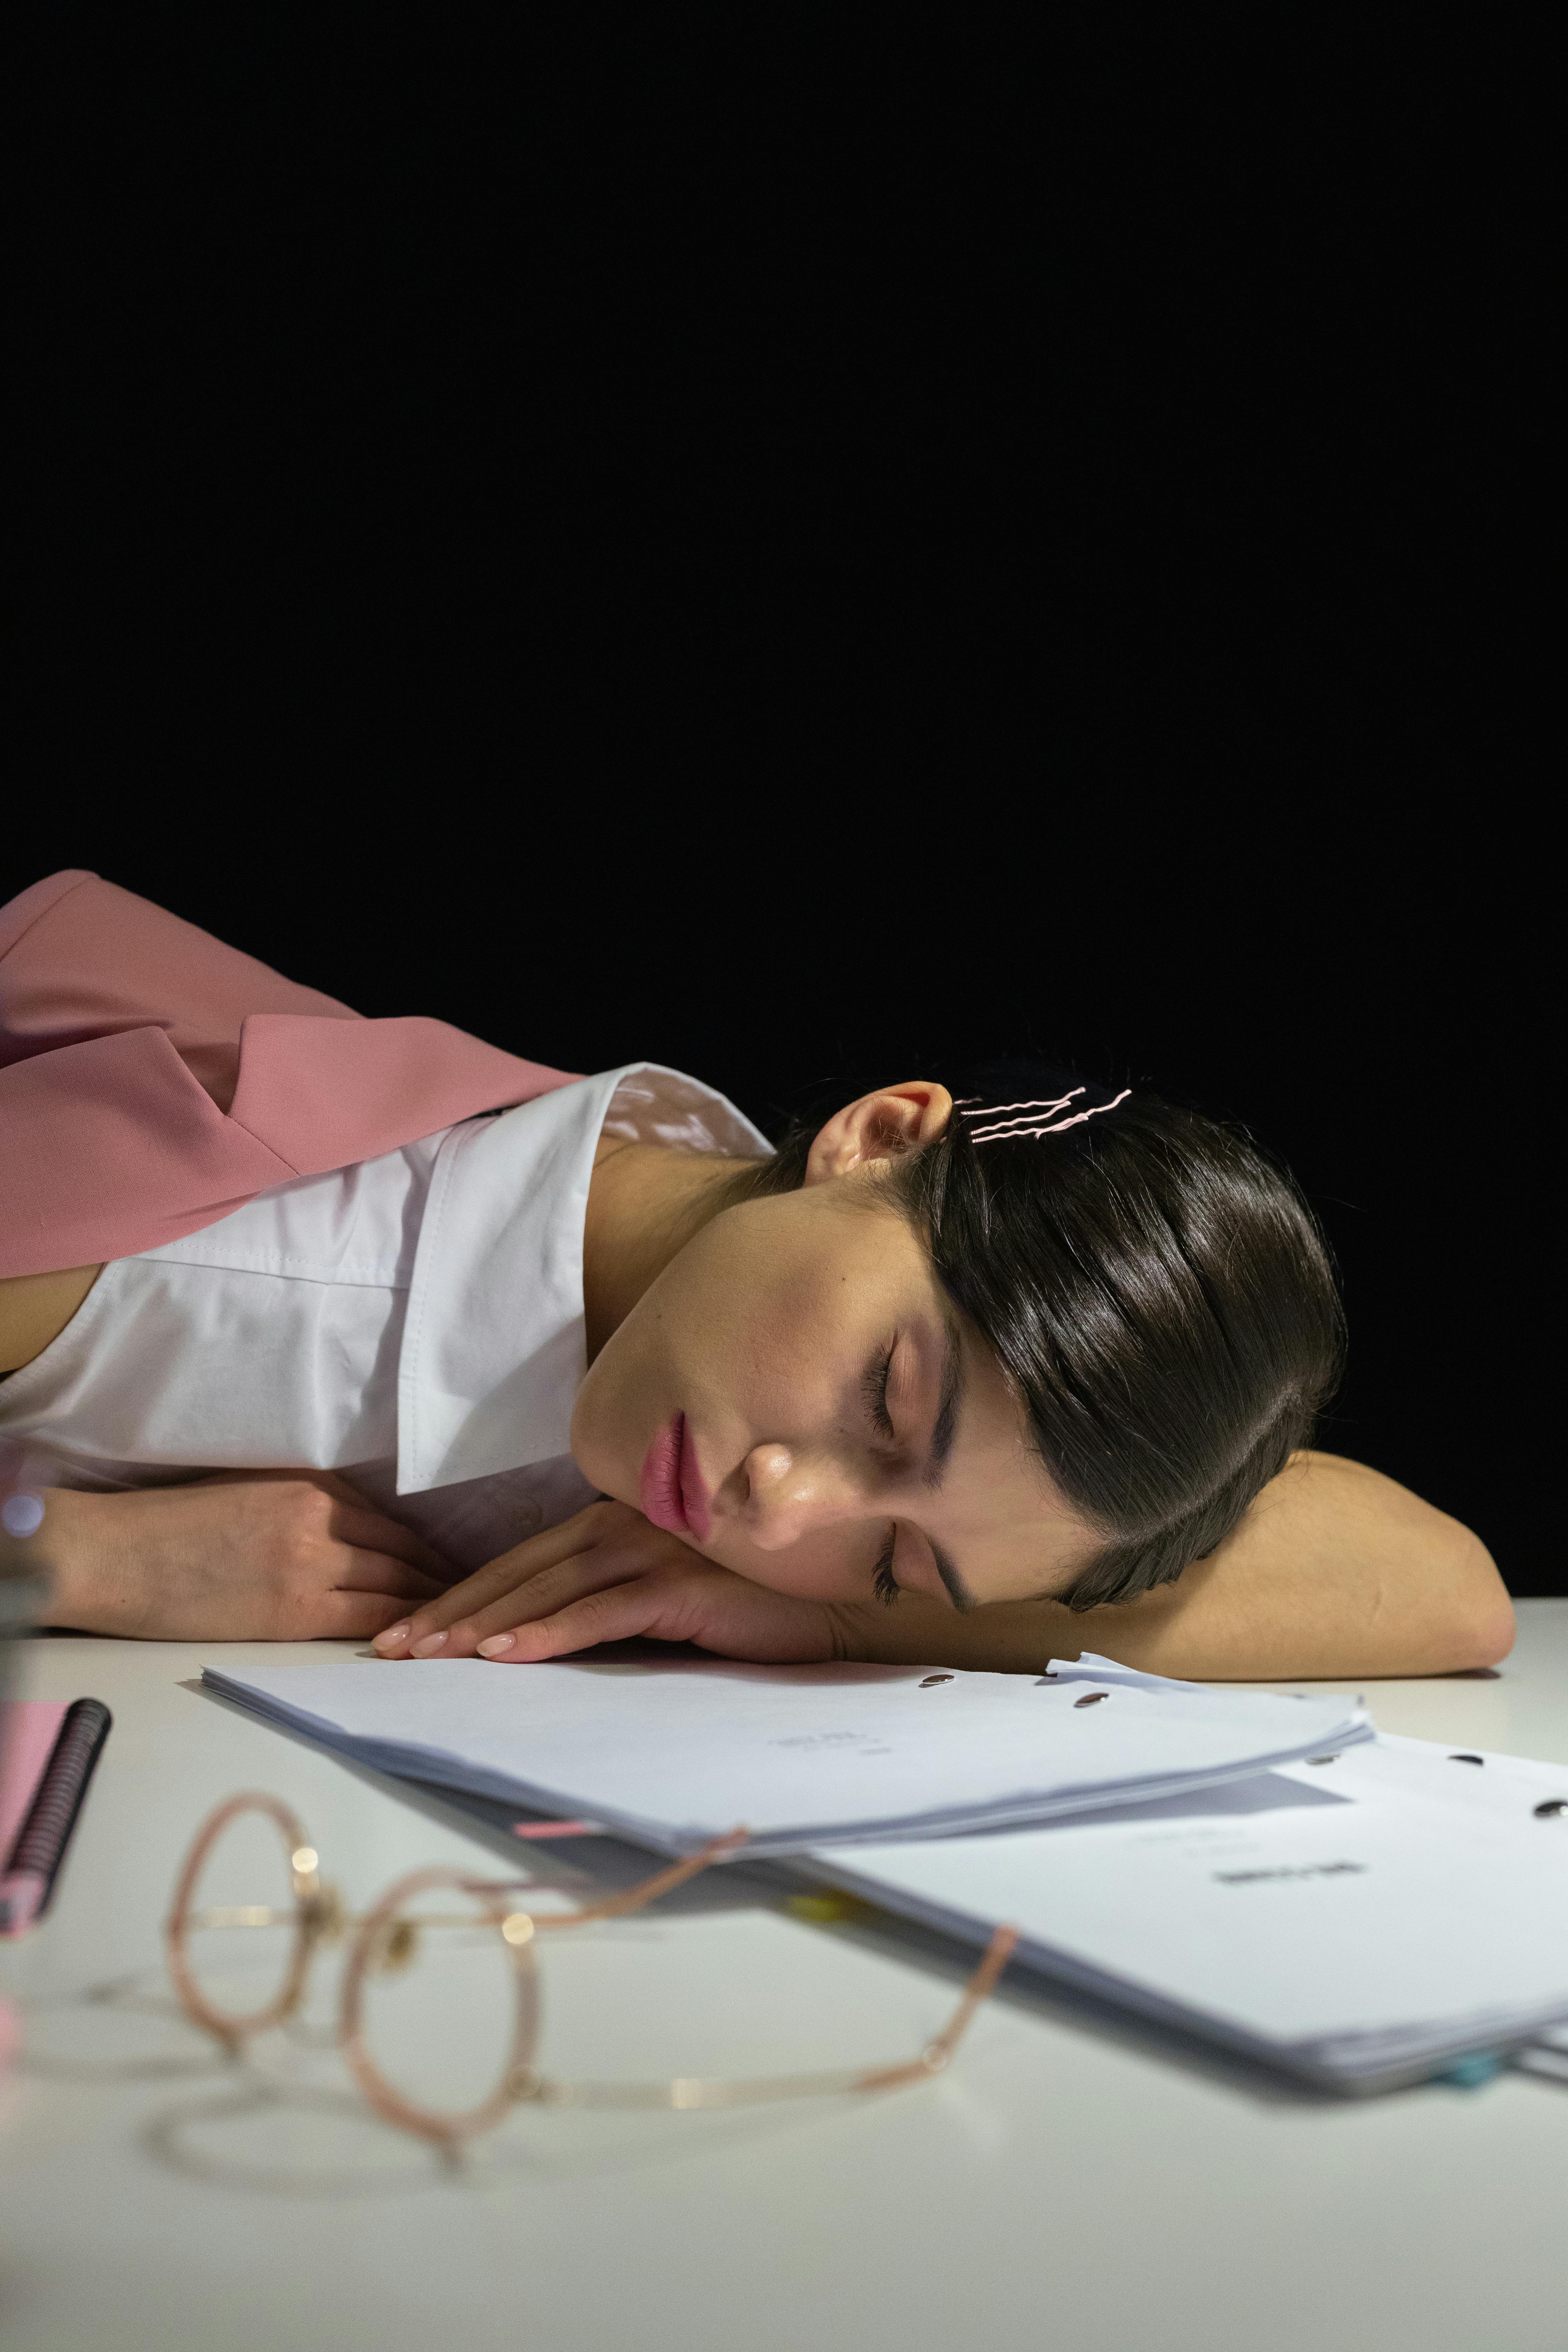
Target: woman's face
column 796, row 1398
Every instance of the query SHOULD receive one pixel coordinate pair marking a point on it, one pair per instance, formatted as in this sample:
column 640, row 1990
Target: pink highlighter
column 29, row 1730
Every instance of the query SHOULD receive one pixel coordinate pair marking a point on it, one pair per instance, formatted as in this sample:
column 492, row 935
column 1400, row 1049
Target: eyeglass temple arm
column 937, row 2052
column 981, row 1985
column 616, row 1906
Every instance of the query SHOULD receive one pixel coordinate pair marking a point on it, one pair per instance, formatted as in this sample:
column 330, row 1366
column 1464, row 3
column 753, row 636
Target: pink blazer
column 152, row 1078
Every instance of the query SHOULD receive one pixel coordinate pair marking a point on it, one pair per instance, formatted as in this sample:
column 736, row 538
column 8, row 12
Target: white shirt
column 415, row 1322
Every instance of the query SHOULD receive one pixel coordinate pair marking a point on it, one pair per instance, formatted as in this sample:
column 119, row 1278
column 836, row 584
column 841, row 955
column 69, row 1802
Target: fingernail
column 393, row 1637
column 429, row 1645
column 495, row 1646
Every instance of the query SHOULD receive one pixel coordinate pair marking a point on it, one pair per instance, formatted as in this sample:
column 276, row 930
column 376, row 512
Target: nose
column 791, row 1494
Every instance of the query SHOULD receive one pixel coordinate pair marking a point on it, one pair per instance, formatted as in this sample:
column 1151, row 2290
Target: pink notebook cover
column 28, row 1729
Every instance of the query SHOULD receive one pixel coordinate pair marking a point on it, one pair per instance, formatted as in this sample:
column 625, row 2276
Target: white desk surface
column 1069, row 2183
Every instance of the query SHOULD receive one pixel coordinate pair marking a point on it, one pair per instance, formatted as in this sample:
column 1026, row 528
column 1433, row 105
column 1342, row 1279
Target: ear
column 879, row 1128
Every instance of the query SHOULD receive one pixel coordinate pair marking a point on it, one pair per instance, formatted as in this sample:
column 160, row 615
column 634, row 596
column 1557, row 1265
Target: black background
column 805, row 564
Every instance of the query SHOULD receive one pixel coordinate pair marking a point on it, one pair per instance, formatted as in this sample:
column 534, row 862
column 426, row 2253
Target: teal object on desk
column 1468, row 2074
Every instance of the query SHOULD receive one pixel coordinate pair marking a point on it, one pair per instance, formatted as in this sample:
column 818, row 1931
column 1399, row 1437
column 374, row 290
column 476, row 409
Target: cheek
column 782, row 1378
column 757, row 1334
column 835, row 1568
column 615, row 1413
column 695, row 1343
column 753, row 1331
column 592, row 1442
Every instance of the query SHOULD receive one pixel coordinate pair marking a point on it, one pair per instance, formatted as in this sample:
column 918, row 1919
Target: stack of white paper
column 674, row 1751
column 1358, row 1924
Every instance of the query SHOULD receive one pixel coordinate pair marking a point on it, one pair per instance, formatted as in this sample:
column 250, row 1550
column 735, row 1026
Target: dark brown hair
column 1158, row 1294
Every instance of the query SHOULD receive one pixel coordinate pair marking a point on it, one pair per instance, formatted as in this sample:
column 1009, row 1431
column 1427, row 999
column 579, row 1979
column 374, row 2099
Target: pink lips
column 673, row 1495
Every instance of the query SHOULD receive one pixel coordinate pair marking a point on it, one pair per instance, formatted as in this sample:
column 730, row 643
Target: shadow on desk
column 285, row 2122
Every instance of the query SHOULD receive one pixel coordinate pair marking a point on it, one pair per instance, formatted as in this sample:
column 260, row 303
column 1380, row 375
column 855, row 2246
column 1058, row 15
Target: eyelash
column 874, row 1387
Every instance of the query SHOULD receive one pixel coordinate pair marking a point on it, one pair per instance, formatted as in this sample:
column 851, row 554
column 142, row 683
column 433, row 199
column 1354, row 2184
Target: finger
column 439, row 1631
column 543, row 1595
column 615, row 1614
column 354, row 1522
column 505, row 1574
column 439, row 1613
column 351, row 1616
column 361, row 1570
column 706, row 1605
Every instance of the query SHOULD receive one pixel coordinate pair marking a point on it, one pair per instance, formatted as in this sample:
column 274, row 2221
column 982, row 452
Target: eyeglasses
column 390, row 1941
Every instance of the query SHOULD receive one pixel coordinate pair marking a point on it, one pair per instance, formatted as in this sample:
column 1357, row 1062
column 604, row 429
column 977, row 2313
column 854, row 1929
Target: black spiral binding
column 40, row 1844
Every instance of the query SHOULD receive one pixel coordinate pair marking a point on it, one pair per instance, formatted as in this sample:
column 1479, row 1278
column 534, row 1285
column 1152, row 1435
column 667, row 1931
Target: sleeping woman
column 316, row 1326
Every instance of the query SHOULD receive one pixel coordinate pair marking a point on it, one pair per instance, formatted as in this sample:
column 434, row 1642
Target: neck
column 645, row 1203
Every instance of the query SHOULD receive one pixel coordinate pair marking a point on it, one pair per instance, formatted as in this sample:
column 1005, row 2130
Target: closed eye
column 873, row 1391
column 884, row 1584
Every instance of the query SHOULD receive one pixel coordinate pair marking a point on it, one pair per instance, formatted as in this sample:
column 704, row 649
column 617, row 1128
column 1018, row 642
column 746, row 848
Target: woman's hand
column 603, row 1576
column 250, row 1556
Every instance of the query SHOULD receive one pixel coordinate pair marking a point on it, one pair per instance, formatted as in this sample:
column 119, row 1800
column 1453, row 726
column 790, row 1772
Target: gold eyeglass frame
column 386, row 1941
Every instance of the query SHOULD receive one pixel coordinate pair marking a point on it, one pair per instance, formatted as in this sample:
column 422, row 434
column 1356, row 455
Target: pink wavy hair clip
column 1014, row 1130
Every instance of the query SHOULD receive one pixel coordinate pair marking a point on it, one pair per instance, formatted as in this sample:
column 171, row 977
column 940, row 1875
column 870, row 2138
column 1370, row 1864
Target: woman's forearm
column 87, row 1576
column 1334, row 1571
column 262, row 1556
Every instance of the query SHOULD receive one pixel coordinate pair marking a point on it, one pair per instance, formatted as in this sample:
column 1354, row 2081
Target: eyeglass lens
column 242, row 1925
column 437, row 2000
